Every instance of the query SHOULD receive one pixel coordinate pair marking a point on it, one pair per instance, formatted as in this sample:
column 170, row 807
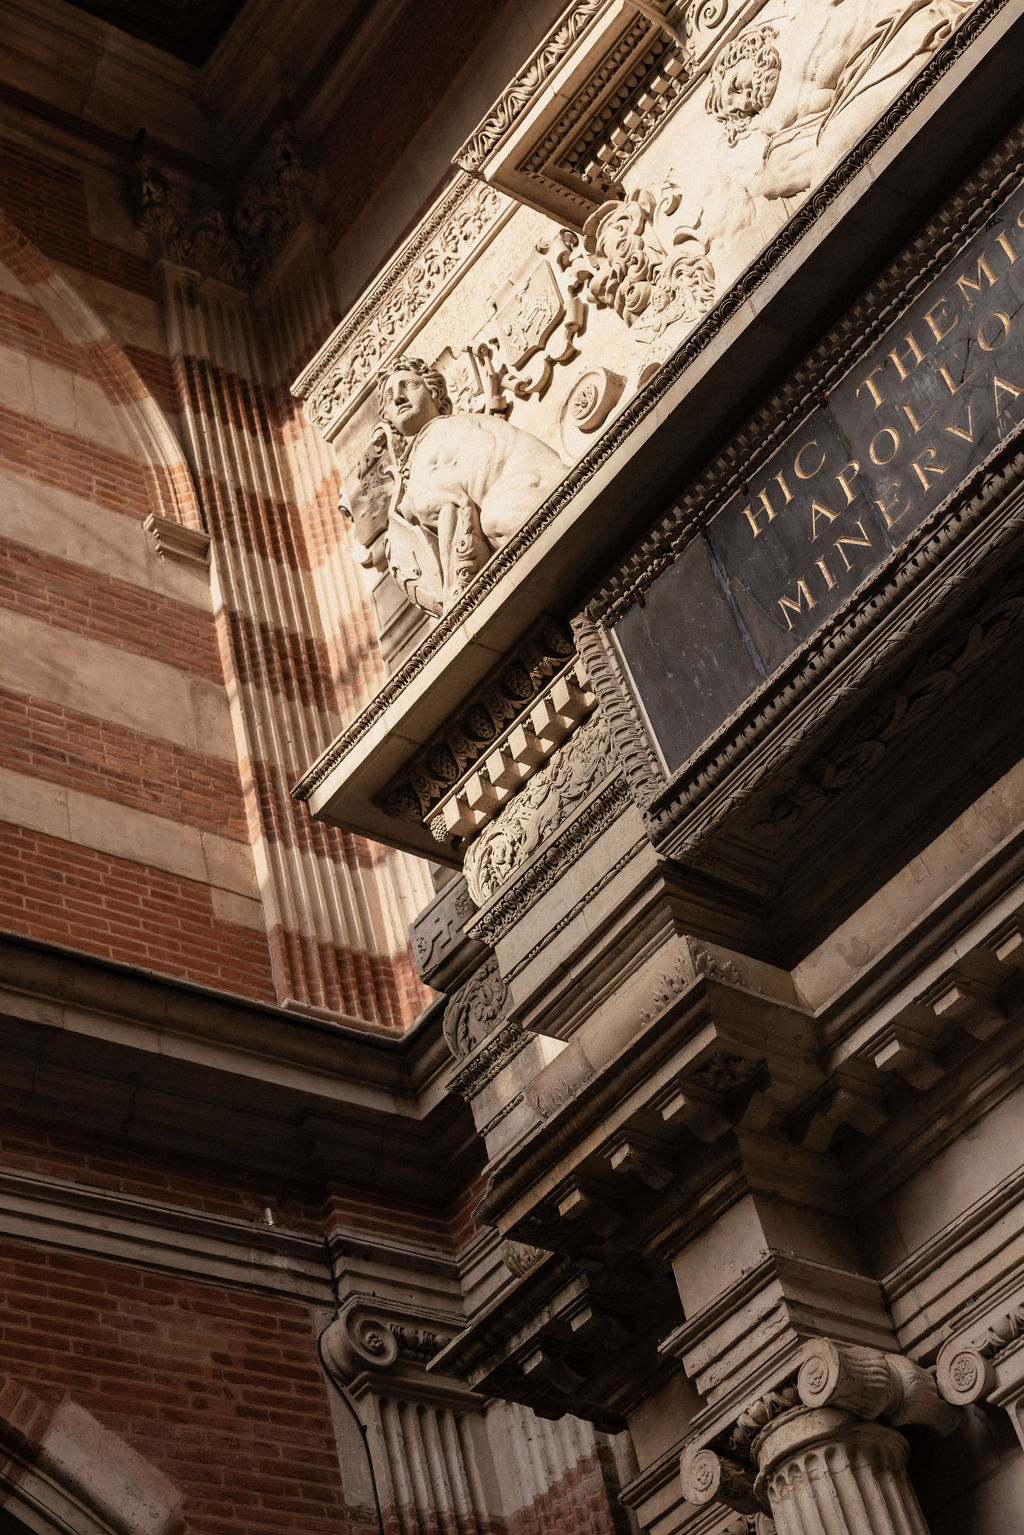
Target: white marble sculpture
column 457, row 486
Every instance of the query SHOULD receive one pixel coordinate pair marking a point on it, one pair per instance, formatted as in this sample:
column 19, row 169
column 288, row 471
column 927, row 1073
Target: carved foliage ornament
column 537, row 811
column 237, row 244
column 651, row 270
column 475, row 1010
column 343, row 372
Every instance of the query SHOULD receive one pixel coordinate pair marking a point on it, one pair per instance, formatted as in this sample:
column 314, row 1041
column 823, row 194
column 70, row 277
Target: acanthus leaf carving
column 475, row 1010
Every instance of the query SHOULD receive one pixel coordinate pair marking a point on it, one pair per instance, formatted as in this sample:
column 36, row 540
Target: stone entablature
column 556, row 330
column 582, row 521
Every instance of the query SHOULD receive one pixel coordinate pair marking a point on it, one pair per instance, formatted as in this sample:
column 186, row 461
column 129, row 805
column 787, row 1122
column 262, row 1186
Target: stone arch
column 63, row 1473
column 156, row 446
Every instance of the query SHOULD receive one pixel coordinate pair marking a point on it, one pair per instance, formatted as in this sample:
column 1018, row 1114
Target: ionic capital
column 871, row 1384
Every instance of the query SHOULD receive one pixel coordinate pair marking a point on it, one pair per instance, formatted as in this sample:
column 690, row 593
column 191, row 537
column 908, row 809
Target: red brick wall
column 219, row 1389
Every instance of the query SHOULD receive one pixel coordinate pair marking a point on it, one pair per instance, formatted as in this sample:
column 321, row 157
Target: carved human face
column 407, row 403
column 739, row 90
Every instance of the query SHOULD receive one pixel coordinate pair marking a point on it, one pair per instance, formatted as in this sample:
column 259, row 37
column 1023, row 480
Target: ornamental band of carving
column 650, row 396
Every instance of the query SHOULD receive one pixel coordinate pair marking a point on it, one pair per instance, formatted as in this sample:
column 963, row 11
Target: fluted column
column 824, row 1472
column 823, row 1453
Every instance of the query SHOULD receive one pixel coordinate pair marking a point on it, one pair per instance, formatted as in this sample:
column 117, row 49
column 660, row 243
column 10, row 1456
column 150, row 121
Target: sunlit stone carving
column 455, row 487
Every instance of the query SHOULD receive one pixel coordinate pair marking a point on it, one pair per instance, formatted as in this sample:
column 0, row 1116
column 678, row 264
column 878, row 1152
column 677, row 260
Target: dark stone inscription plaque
column 890, row 442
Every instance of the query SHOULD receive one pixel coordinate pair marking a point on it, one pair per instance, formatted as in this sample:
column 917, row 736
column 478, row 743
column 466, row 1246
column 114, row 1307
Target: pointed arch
column 156, row 446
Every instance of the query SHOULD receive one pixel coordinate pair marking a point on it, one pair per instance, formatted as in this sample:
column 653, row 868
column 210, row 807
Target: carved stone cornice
column 488, row 1058
column 538, row 811
column 473, row 732
column 517, row 95
column 652, row 396
column 551, row 860
column 528, row 748
column 566, row 127
column 427, row 267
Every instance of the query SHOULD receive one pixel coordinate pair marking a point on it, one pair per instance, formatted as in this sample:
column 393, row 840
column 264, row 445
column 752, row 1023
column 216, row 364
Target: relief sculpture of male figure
column 470, row 482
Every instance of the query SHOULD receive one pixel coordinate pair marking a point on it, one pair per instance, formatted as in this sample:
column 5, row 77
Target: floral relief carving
column 652, row 270
column 475, row 1009
column 537, row 811
column 404, row 293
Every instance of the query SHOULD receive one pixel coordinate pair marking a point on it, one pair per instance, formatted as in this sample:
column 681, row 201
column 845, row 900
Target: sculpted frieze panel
column 537, row 810
column 442, row 489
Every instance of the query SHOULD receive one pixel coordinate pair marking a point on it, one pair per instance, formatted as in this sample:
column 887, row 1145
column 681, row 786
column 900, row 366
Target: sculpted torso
column 506, row 473
column 470, row 482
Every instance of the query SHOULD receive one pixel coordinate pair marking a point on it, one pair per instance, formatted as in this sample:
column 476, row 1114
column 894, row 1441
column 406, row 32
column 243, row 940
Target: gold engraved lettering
column 790, row 605
column 819, row 511
column 787, row 495
column 924, row 465
column 869, row 384
column 884, row 502
column 752, row 516
column 933, row 324
column 807, row 474
column 845, row 539
column 894, row 436
column 844, row 477
column 954, row 388
column 829, row 582
column 1001, row 239
column 958, row 431
column 908, row 411
column 1003, row 386
column 964, row 282
column 1004, row 321
column 913, row 353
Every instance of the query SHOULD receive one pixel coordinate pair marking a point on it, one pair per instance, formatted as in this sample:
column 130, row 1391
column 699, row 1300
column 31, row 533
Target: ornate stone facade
column 732, row 951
